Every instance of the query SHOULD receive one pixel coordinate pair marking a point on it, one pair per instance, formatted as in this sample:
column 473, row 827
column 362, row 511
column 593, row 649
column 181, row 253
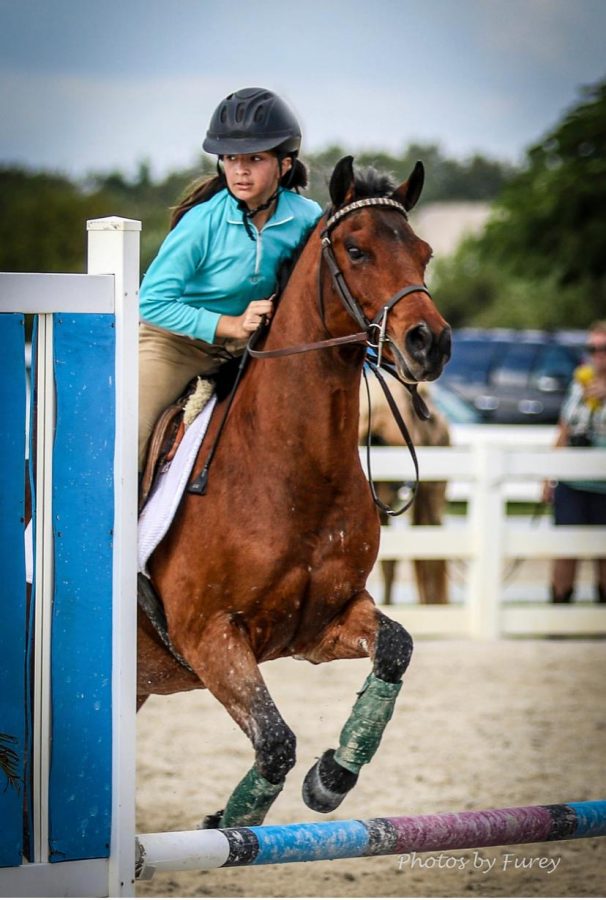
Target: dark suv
column 513, row 377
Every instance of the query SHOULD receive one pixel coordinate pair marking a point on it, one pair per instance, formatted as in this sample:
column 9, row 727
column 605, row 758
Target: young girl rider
column 210, row 285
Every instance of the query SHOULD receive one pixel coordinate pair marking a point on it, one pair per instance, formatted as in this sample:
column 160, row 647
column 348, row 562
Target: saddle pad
column 161, row 507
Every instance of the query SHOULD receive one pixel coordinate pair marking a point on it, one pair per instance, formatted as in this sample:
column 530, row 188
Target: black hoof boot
column 211, row 821
column 327, row 784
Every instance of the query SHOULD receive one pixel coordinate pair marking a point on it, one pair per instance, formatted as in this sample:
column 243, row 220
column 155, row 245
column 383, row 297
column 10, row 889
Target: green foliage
column 43, row 215
column 42, row 220
column 541, row 259
column 473, row 290
column 446, row 179
column 552, row 214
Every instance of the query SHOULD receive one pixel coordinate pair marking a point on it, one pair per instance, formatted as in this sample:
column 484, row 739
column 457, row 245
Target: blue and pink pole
column 270, row 844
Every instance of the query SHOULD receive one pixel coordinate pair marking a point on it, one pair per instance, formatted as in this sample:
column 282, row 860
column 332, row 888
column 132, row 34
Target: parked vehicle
column 454, row 408
column 513, row 377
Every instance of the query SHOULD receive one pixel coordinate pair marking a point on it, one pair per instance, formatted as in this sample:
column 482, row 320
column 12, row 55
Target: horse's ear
column 342, row 185
column 409, row 191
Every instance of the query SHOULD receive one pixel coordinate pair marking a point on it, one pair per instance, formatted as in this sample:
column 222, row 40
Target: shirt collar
column 234, row 215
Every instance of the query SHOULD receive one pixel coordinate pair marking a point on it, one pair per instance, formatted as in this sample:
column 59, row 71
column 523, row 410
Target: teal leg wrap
column 250, row 801
column 364, row 729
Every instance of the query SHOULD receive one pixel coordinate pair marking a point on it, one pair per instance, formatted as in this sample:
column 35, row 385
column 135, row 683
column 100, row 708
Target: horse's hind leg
column 362, row 630
column 224, row 660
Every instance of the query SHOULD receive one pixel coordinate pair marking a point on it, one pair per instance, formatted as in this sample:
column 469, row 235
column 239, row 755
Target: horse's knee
column 275, row 752
column 393, row 650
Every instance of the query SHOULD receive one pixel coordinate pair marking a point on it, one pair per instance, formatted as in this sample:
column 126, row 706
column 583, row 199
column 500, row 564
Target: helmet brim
column 223, row 146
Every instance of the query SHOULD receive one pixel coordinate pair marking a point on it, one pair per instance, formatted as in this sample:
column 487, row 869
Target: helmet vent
column 239, row 112
column 259, row 113
column 223, row 115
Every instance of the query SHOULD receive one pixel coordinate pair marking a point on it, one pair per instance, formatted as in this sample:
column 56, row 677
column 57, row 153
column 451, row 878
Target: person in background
column 211, row 284
column 582, row 424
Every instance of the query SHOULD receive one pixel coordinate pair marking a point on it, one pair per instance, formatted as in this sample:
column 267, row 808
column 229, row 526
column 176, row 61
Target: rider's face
column 253, row 177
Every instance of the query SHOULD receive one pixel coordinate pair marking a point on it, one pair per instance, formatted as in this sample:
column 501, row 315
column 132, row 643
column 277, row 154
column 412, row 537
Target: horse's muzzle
column 427, row 352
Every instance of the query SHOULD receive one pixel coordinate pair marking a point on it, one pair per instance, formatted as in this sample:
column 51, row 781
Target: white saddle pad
column 161, row 507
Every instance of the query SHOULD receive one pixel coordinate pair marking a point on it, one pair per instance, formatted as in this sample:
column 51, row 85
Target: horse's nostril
column 419, row 340
column 445, row 342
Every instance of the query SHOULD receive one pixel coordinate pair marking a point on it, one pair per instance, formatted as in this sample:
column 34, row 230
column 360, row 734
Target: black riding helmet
column 250, row 121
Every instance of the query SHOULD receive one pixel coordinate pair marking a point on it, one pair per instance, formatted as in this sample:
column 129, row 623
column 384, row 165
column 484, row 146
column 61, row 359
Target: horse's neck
column 316, row 393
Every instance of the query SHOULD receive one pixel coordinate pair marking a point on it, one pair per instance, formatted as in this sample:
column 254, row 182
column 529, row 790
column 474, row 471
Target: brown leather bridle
column 374, row 332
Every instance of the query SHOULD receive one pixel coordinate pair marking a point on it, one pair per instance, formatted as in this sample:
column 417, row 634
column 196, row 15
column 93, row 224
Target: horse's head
column 377, row 264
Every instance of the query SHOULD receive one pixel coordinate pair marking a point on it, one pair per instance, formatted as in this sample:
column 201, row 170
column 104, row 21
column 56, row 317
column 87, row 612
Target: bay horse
column 273, row 560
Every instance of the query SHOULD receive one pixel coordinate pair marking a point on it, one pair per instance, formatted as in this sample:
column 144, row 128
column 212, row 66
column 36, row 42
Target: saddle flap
column 163, row 444
column 169, row 430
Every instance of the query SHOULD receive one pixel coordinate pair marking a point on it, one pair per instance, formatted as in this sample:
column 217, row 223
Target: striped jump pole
column 271, row 844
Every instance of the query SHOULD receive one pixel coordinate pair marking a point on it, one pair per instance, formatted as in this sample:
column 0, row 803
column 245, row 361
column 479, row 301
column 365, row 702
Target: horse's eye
column 355, row 253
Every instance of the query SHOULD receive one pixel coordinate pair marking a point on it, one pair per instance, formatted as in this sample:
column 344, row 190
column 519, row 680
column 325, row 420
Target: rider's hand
column 241, row 327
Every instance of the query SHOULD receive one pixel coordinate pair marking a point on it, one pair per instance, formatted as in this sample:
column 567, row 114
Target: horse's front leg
column 224, row 661
column 360, row 631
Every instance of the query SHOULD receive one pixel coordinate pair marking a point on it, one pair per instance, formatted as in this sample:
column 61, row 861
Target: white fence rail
column 488, row 475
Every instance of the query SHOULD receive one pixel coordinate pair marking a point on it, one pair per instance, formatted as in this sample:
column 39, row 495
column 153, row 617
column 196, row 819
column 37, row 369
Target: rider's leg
column 167, row 363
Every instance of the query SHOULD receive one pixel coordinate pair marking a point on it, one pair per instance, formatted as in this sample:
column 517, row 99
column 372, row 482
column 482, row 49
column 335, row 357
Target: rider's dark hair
column 203, row 189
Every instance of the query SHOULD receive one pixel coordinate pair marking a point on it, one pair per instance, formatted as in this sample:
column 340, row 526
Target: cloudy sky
column 101, row 84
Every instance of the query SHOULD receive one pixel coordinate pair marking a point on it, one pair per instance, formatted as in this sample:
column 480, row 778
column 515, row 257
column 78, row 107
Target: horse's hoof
column 327, row 784
column 211, row 821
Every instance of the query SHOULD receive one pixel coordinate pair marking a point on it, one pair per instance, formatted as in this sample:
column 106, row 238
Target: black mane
column 370, row 182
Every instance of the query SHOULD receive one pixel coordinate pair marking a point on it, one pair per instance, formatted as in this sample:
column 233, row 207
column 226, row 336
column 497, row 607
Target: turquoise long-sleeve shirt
column 208, row 266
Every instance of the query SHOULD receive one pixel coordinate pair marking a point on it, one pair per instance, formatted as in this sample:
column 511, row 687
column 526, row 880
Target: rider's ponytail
column 296, row 177
column 199, row 191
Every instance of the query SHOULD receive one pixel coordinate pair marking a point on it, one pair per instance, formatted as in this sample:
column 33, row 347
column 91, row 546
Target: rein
column 373, row 334
column 393, row 406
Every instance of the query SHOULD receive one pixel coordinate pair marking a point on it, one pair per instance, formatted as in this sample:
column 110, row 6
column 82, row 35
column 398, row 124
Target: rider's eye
column 355, row 253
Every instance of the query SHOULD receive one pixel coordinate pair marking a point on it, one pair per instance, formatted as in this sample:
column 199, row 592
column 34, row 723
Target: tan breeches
column 167, row 363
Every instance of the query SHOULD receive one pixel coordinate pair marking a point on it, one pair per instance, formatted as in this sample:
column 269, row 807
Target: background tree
column 42, row 220
column 541, row 261
column 477, row 178
column 42, row 215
